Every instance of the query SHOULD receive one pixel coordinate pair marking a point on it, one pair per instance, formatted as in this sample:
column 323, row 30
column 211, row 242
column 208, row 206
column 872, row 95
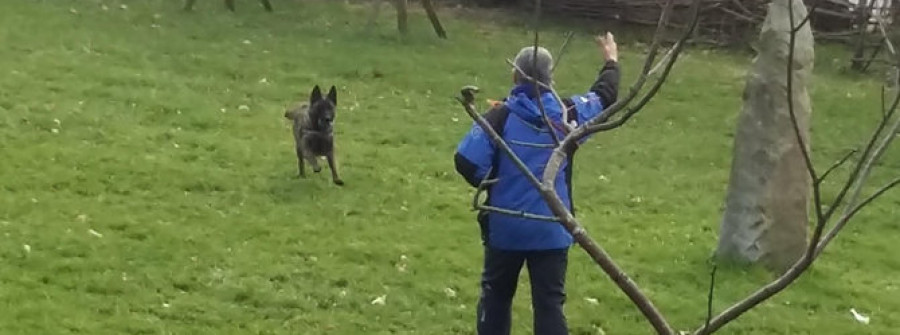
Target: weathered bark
column 432, row 16
column 766, row 207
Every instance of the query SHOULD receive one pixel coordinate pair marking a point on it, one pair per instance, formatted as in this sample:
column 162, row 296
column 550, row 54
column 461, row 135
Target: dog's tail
column 294, row 113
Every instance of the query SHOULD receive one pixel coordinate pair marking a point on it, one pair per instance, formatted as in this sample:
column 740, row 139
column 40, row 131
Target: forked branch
column 547, row 190
column 613, row 116
column 817, row 242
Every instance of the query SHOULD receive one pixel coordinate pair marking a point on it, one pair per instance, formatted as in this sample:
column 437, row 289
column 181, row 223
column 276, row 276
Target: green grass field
column 147, row 178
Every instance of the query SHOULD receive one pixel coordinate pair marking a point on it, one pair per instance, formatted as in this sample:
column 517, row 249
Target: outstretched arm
column 605, row 87
column 607, row 84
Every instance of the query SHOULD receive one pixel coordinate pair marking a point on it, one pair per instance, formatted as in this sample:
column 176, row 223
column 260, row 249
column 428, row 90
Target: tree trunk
column 859, row 48
column 267, row 5
column 766, row 207
column 376, row 9
column 432, row 15
column 230, row 5
column 189, row 5
column 895, row 11
column 402, row 16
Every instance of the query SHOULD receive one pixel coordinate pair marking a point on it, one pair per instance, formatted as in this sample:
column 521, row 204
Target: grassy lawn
column 147, row 179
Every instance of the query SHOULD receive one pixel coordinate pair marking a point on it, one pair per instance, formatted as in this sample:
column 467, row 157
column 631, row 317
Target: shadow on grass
column 286, row 187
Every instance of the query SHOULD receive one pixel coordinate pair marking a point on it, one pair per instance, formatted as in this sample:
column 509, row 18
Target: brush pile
column 723, row 22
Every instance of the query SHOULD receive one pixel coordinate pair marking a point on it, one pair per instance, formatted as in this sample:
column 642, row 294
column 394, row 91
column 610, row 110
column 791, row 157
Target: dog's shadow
column 286, row 187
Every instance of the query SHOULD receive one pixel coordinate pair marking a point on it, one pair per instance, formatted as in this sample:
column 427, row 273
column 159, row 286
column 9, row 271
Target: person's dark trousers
column 547, row 272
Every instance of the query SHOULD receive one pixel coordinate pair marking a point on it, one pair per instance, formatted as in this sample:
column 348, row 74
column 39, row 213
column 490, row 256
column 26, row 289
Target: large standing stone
column 766, row 208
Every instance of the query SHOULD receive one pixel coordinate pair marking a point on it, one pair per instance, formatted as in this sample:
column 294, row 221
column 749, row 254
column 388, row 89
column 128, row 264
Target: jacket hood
column 521, row 102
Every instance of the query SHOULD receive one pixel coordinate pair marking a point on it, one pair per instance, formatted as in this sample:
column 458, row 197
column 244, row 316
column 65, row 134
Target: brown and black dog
column 313, row 131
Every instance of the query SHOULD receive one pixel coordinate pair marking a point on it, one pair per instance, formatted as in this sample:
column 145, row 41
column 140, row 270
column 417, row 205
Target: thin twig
column 860, row 173
column 486, row 127
column 550, row 88
column 534, row 81
column 656, row 319
column 835, row 166
column 482, row 186
column 522, row 214
column 792, row 41
column 554, row 164
column 809, row 14
column 788, row 277
column 632, row 110
column 852, row 212
column 648, row 63
column 664, row 60
column 800, row 266
column 885, row 36
column 709, row 299
column 562, row 49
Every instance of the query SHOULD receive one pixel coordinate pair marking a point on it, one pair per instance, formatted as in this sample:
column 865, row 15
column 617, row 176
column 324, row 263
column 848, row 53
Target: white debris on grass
column 95, row 233
column 451, row 293
column 859, row 317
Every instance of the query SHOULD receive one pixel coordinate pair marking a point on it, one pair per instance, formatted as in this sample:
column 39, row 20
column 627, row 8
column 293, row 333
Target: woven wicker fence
column 722, row 21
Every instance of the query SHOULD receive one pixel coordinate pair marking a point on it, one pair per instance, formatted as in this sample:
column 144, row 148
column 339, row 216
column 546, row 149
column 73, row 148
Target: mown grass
column 147, row 179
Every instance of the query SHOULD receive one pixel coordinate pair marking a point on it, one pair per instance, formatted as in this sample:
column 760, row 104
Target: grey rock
column 766, row 208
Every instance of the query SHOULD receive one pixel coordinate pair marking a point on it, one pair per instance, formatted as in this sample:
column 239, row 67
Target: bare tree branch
column 632, row 110
column 559, row 55
column 885, row 36
column 656, row 319
column 809, row 14
column 853, row 211
column 483, row 186
column 486, row 127
column 534, row 82
column 665, row 60
column 834, row 166
column 861, row 173
column 709, row 297
column 567, row 145
column 562, row 49
column 804, row 149
column 864, row 166
column 522, row 214
column 567, row 128
column 605, row 121
column 817, row 242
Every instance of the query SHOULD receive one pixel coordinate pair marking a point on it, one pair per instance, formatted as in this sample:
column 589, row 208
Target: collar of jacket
column 527, row 89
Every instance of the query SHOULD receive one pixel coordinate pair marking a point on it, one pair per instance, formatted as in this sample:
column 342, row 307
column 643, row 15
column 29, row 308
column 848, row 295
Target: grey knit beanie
column 540, row 71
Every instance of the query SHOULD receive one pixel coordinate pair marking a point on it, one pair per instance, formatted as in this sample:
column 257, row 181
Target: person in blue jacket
column 513, row 241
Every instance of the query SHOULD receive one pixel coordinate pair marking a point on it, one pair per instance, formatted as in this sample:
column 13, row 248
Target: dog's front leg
column 300, row 167
column 311, row 159
column 333, row 166
column 309, row 149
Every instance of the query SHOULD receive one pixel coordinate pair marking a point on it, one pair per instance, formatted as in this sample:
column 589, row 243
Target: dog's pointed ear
column 316, row 95
column 332, row 95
